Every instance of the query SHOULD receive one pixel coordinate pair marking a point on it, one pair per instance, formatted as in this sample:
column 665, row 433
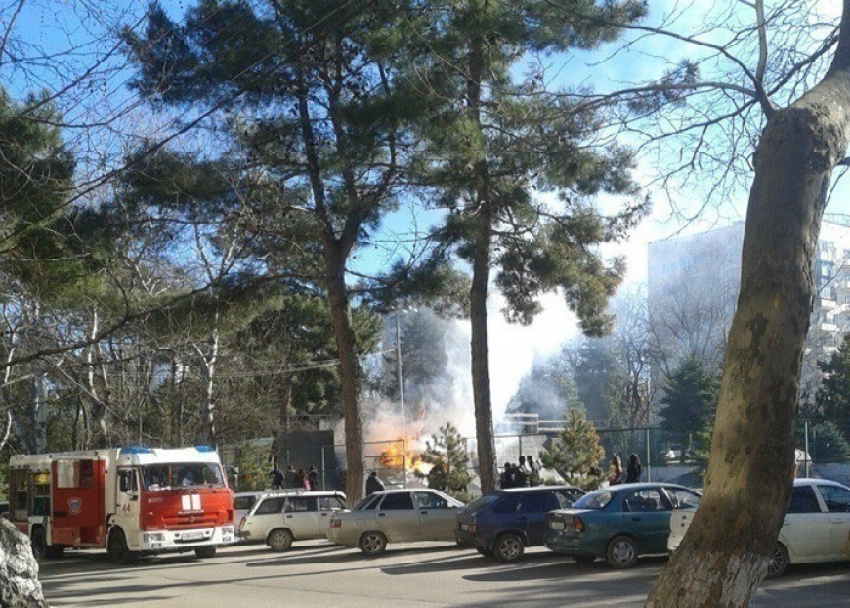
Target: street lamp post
column 401, row 401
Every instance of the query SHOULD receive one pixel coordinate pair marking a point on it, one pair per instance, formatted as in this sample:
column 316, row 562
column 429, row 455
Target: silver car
column 396, row 516
column 281, row 518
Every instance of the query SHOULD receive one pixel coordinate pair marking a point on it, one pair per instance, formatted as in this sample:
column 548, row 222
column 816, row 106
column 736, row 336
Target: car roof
column 807, row 481
column 536, row 489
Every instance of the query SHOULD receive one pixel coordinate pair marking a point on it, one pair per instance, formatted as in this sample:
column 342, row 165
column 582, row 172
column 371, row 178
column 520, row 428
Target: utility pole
column 401, row 400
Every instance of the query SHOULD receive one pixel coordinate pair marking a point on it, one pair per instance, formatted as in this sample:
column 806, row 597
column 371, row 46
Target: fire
column 394, row 457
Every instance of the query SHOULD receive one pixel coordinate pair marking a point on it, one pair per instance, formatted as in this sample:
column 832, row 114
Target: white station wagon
column 280, row 518
column 816, row 528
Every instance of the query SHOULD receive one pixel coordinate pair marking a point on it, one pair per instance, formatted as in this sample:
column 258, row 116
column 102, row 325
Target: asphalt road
column 322, row 575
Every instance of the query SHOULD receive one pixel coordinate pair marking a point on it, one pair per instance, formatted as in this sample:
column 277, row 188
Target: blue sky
column 54, row 27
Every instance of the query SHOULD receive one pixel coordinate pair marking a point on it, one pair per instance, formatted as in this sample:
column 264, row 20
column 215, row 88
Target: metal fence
column 822, row 450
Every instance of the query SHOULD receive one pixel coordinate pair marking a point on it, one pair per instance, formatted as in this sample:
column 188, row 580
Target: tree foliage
column 576, row 454
column 688, row 401
column 447, row 454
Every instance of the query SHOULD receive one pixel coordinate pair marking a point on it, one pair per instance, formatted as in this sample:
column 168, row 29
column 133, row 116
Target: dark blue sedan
column 618, row 523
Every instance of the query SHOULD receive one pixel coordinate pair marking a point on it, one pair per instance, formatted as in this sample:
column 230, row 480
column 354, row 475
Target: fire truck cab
column 130, row 501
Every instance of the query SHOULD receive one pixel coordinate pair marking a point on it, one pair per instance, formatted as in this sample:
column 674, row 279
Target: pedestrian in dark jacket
column 507, row 479
column 290, row 479
column 277, row 479
column 633, row 470
column 373, row 484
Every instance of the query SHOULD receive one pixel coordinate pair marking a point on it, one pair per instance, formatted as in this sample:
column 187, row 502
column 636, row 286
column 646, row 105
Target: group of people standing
column 295, row 480
column 521, row 475
column 633, row 470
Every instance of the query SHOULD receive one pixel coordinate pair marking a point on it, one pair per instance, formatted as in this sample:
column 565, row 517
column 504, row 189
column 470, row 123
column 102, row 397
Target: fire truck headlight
column 157, row 537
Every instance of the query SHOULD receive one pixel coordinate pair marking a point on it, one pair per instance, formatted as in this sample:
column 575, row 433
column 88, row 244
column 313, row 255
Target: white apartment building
column 693, row 284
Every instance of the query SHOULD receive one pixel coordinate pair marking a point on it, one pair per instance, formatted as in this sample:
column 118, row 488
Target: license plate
column 557, row 525
column 192, row 536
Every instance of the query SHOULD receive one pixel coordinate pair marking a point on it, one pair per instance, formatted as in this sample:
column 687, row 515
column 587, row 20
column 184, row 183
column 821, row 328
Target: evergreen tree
column 312, row 101
column 577, row 453
column 496, row 143
column 828, row 443
column 832, row 399
column 447, row 453
column 688, row 401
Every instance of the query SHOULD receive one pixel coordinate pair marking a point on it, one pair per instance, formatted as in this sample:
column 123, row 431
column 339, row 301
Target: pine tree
column 447, row 453
column 688, row 402
column 496, row 143
column 832, row 400
column 577, row 453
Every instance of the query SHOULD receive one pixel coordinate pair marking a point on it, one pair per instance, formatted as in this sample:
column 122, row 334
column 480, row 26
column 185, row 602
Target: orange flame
column 395, row 458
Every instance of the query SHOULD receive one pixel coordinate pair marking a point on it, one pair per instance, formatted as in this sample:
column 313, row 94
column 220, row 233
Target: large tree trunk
column 480, row 361
column 480, row 280
column 724, row 554
column 349, row 379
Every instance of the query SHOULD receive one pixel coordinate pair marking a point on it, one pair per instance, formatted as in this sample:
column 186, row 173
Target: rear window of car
column 398, row 501
column 244, row 502
column 803, row 500
column 837, row 499
column 331, row 503
column 299, row 504
column 367, row 504
column 509, row 503
column 683, row 499
column 538, row 502
column 270, row 505
column 594, row 500
column 566, row 498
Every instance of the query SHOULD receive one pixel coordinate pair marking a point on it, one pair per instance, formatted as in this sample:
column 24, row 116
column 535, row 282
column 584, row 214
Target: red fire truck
column 131, row 501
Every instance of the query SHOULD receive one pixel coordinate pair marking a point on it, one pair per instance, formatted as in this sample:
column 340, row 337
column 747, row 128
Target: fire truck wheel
column 117, row 548
column 280, row 540
column 39, row 544
column 205, row 552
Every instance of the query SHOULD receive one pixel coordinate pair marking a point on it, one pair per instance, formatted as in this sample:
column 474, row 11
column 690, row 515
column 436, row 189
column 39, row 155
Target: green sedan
column 618, row 523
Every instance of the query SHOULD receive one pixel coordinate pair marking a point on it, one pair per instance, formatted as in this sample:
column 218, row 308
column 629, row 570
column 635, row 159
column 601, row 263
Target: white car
column 396, row 516
column 816, row 528
column 280, row 518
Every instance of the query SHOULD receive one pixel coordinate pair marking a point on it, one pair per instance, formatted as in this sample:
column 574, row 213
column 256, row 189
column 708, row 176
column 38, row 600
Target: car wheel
column 205, row 552
column 117, row 548
column 508, row 548
column 373, row 543
column 622, row 552
column 584, row 559
column 280, row 540
column 39, row 544
column 778, row 561
column 484, row 551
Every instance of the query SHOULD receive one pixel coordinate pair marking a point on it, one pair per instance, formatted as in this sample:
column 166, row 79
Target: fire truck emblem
column 75, row 505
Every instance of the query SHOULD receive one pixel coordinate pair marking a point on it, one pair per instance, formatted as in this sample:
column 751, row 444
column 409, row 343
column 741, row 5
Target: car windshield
column 366, row 504
column 594, row 500
column 481, row 503
column 158, row 477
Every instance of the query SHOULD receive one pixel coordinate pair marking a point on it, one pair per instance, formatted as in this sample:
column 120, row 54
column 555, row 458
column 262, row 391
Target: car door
column 328, row 505
column 837, row 500
column 806, row 529
column 533, row 507
column 646, row 516
column 267, row 515
column 437, row 518
column 398, row 517
column 301, row 516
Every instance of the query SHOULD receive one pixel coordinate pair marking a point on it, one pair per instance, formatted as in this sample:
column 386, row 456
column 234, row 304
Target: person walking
column 313, row 477
column 615, row 471
column 534, row 468
column 521, row 474
column 303, row 482
column 277, row 478
column 633, row 470
column 373, row 484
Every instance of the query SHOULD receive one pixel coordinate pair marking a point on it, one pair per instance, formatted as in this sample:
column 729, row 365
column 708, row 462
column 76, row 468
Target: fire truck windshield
column 182, row 475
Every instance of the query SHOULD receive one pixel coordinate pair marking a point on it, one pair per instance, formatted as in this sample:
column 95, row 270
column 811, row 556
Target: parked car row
column 617, row 524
